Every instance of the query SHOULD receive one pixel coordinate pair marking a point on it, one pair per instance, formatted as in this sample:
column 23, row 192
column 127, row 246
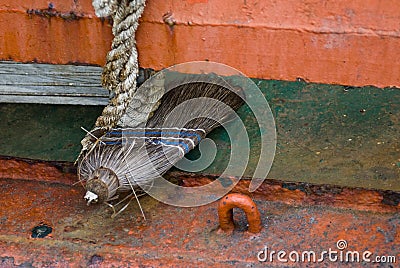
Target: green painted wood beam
column 327, row 134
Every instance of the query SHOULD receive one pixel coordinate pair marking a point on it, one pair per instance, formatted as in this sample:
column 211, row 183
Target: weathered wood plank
column 53, row 100
column 49, row 79
column 51, row 84
column 51, row 90
column 30, row 68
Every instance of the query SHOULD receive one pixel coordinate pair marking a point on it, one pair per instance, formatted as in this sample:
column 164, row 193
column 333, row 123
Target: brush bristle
column 196, row 94
column 138, row 156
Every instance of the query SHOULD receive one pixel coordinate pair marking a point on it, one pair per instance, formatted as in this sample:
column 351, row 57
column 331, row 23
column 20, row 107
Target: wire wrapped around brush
column 128, row 158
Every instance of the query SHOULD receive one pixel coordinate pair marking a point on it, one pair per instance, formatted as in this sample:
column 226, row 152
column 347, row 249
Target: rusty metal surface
column 299, row 193
column 287, row 192
column 22, row 168
column 87, row 236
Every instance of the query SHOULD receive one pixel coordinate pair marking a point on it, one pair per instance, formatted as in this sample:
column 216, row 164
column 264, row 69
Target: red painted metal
column 337, row 42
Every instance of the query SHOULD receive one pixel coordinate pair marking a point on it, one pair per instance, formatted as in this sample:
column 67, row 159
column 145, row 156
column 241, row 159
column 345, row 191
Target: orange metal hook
column 244, row 202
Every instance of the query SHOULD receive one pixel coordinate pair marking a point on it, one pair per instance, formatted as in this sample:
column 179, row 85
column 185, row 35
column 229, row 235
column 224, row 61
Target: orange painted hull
column 335, row 42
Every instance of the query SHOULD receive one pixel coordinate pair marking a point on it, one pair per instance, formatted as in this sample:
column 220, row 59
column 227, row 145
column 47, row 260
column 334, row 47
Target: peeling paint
column 51, row 12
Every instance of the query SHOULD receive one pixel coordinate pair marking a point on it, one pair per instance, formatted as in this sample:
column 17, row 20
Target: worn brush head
column 130, row 158
column 194, row 94
column 101, row 186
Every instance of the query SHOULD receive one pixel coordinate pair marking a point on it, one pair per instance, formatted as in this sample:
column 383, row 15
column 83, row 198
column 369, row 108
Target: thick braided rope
column 104, row 8
column 120, row 72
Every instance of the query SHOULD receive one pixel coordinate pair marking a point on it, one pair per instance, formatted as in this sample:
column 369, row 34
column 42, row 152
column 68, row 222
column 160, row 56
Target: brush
column 157, row 129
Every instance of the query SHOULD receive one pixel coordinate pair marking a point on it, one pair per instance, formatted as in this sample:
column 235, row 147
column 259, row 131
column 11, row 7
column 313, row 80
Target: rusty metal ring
column 244, row 202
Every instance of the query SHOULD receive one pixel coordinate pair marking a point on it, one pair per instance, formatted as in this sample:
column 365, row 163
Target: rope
column 120, row 72
column 121, row 69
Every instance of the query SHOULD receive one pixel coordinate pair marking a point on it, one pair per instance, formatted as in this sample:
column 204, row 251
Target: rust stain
column 37, row 170
column 51, row 12
column 168, row 19
column 181, row 237
column 290, row 193
column 308, row 194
